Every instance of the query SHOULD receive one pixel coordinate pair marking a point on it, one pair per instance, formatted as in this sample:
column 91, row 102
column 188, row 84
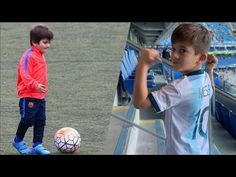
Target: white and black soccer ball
column 67, row 140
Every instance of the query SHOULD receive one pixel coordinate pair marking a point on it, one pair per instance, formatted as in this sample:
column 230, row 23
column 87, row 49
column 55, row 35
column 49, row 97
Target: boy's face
column 43, row 45
column 184, row 59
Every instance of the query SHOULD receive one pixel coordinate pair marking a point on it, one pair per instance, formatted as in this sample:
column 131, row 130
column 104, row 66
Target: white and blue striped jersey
column 186, row 104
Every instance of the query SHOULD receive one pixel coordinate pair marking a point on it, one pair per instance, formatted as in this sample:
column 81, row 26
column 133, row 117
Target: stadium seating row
column 226, row 117
column 222, row 35
column 226, row 60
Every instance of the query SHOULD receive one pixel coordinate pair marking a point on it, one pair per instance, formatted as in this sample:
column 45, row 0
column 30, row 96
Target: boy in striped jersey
column 186, row 100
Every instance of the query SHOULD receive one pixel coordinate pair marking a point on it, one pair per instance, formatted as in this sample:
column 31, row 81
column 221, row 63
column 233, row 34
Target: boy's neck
column 195, row 72
column 35, row 48
column 196, row 68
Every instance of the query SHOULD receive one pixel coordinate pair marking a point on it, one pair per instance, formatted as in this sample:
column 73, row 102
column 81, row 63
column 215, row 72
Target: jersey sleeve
column 26, row 71
column 165, row 98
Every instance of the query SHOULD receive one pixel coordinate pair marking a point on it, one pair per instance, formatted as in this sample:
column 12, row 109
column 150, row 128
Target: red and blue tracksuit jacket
column 32, row 70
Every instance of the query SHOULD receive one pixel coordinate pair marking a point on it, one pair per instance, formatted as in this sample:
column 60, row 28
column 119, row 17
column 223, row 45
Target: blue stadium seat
column 167, row 73
column 218, row 113
column 217, row 110
column 225, row 118
column 132, row 61
column 222, row 34
column 177, row 75
column 216, row 78
column 226, row 60
column 133, row 57
column 128, row 66
column 127, row 83
column 232, row 117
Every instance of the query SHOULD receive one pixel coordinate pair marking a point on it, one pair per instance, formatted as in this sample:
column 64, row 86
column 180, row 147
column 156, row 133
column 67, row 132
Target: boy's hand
column 211, row 62
column 149, row 56
column 41, row 88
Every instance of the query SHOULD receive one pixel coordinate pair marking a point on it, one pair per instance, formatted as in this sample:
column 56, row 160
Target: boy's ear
column 203, row 57
column 34, row 43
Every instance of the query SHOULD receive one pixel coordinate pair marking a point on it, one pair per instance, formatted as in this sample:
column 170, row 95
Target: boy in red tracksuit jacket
column 32, row 86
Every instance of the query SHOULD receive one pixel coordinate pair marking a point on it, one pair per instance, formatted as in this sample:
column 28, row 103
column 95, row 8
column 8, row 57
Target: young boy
column 185, row 101
column 32, row 86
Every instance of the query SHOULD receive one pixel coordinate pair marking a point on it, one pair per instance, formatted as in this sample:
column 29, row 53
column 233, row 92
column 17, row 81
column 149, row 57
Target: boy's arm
column 25, row 69
column 140, row 95
column 211, row 63
column 25, row 73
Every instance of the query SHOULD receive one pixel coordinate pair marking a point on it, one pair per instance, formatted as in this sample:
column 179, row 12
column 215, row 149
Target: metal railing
column 136, row 125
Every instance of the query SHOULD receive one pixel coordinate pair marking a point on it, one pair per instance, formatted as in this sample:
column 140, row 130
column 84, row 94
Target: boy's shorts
column 32, row 109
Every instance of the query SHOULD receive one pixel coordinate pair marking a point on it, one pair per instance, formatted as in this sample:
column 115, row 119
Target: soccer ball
column 67, row 140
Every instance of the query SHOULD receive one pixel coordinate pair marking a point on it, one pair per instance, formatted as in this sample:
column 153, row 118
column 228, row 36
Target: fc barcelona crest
column 31, row 104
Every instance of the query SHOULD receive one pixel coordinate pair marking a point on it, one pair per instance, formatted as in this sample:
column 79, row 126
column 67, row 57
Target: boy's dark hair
column 195, row 34
column 40, row 32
